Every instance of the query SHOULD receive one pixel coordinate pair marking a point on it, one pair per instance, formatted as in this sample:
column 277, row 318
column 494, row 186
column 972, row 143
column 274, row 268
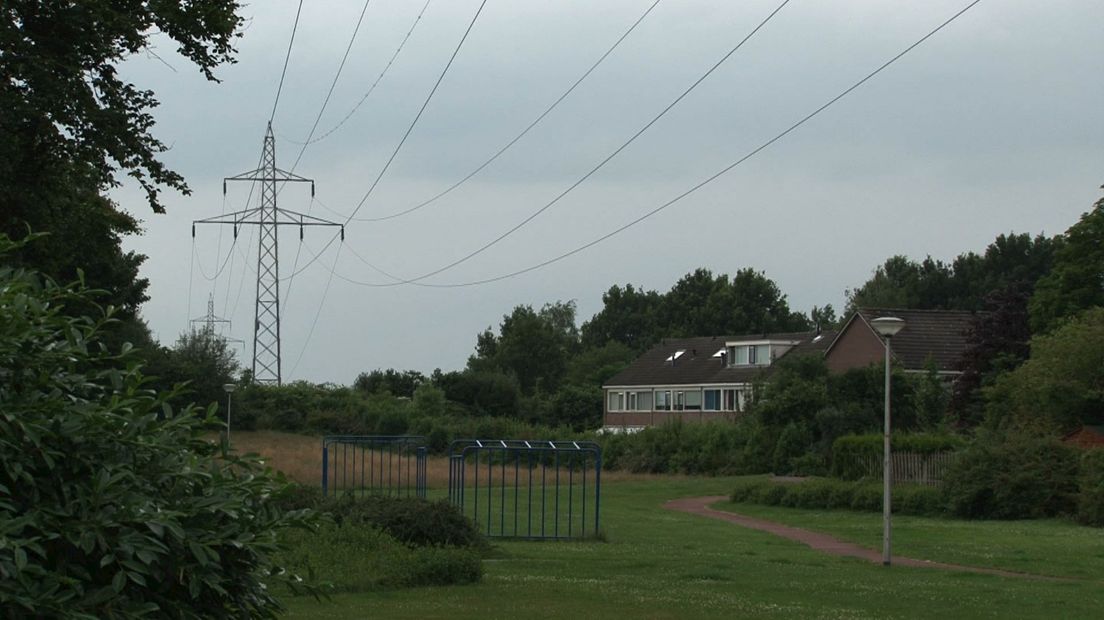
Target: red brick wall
column 857, row 347
column 657, row 418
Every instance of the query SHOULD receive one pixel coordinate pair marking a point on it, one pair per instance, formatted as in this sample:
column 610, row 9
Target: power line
column 521, row 135
column 333, row 84
column 684, row 194
column 321, row 304
column 420, row 111
column 283, row 73
column 609, row 157
column 371, row 88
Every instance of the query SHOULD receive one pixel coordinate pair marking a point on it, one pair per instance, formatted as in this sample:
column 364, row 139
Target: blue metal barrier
column 537, row 490
column 374, row 464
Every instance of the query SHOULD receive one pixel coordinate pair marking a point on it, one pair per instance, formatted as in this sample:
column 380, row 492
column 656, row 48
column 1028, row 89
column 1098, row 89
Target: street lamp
column 887, row 326
column 229, row 387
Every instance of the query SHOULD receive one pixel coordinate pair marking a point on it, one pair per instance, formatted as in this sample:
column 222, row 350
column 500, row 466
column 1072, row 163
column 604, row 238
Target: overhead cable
column 607, row 159
column 287, row 57
column 519, row 136
column 686, row 193
column 425, row 104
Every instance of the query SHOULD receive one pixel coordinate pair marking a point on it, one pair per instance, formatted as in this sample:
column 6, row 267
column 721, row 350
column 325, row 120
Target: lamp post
column 229, row 387
column 887, row 326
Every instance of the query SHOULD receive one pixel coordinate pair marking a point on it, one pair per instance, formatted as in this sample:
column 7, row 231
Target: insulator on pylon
column 193, row 230
column 312, row 189
column 300, row 232
column 224, row 187
column 235, row 231
column 342, row 233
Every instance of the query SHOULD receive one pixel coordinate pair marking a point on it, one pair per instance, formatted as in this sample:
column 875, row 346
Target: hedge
column 851, row 453
column 826, row 493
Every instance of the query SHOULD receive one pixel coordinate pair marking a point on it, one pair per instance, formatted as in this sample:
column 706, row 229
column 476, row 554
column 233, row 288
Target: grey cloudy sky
column 993, row 125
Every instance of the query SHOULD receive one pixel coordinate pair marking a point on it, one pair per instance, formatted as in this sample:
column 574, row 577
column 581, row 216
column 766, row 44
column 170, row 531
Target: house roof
column 697, row 365
column 936, row 335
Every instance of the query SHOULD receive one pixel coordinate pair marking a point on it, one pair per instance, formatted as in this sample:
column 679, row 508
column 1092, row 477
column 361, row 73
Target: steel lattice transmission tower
column 211, row 320
column 269, row 218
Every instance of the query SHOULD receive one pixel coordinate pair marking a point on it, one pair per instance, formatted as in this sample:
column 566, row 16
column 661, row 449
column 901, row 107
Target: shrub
column 826, row 493
column 1020, row 477
column 358, row 557
column 1090, row 505
column 410, row 520
column 113, row 504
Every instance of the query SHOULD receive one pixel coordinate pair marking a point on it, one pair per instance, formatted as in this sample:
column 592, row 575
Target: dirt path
column 823, row 542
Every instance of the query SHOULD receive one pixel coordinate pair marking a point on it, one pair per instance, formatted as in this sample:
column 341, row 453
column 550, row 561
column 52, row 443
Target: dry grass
column 300, row 458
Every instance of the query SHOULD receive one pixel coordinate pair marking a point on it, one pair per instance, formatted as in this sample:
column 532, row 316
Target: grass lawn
column 664, row 564
column 1046, row 546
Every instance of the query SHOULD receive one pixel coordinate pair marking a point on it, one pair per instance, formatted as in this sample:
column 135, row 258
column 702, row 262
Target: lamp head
column 888, row 326
column 230, row 387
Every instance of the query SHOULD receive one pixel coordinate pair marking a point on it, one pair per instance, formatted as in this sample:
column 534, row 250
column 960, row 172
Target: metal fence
column 912, row 467
column 526, row 489
column 374, row 464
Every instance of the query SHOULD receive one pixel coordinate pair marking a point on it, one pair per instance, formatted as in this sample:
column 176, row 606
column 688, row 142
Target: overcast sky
column 994, row 125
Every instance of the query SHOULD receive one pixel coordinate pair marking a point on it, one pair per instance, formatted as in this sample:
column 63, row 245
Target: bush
column 1020, row 477
column 356, row 557
column 826, row 493
column 410, row 520
column 1090, row 505
column 113, row 504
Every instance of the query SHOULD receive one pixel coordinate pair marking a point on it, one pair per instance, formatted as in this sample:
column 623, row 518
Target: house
column 930, row 337
column 698, row 379
column 710, row 378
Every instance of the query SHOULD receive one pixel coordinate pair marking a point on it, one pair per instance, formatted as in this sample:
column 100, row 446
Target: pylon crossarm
column 302, row 219
column 236, row 217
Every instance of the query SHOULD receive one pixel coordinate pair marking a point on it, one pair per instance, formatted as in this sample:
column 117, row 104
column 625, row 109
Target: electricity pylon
column 268, row 217
column 210, row 320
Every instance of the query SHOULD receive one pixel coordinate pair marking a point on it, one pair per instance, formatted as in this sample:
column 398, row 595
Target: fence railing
column 374, row 464
column 528, row 489
column 912, row 467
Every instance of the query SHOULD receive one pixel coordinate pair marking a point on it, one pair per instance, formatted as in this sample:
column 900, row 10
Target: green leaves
column 108, row 509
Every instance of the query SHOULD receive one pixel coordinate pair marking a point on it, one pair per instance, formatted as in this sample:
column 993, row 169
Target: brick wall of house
column 657, row 418
column 857, row 347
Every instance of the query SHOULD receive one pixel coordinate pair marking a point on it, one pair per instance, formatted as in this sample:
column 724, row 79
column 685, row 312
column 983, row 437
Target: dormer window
column 674, row 356
column 749, row 355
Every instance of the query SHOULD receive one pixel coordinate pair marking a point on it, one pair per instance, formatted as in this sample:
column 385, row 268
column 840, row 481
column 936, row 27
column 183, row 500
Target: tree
column 114, row 504
column 532, row 346
column 628, row 316
column 1076, row 282
column 996, row 343
column 61, row 96
column 1061, row 385
column 203, row 361
column 1011, row 260
column 398, row 383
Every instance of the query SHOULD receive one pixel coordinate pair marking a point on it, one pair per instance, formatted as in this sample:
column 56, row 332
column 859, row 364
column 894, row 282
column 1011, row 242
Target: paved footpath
column 823, row 542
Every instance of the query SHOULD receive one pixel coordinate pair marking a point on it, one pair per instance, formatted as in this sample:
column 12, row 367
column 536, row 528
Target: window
column 693, row 400
column 616, row 401
column 674, row 356
column 663, row 400
column 712, row 400
column 730, row 400
column 643, row 401
column 749, row 355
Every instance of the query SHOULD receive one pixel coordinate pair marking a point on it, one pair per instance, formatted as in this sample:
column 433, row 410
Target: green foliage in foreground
column 112, row 505
column 664, row 564
column 824, row 493
column 410, row 520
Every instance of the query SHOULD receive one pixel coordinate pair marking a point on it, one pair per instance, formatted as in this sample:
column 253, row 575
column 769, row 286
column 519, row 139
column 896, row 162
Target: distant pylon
column 267, row 363
column 211, row 320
